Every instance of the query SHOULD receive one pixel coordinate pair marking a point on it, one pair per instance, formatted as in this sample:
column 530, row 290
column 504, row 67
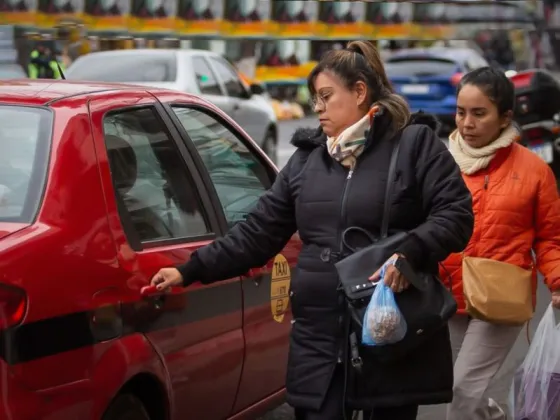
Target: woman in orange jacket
column 517, row 212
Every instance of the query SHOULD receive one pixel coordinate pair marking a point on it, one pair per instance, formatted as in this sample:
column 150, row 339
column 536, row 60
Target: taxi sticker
column 279, row 286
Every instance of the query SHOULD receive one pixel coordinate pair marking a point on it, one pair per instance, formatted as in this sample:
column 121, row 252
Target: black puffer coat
column 314, row 195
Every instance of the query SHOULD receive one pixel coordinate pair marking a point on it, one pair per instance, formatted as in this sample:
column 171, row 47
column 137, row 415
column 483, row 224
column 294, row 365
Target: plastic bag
column 535, row 392
column 383, row 321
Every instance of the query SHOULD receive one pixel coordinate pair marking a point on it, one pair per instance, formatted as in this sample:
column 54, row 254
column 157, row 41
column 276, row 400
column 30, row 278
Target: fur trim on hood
column 309, row 138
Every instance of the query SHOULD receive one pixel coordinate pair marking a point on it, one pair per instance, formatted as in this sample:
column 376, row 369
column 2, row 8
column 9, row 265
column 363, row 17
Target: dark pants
column 333, row 406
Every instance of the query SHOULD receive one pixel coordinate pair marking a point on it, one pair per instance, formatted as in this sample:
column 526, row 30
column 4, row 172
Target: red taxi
column 100, row 186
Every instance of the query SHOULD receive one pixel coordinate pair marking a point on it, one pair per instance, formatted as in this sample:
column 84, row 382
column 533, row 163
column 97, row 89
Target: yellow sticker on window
column 279, row 287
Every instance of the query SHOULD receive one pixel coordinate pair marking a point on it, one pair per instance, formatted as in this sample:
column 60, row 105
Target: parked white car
column 199, row 72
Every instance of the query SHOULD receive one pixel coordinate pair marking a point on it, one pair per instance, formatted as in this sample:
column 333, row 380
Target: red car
column 100, row 186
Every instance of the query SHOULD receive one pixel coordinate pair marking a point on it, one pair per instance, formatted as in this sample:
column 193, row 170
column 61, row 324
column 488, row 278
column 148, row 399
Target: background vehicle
column 428, row 78
column 199, row 72
column 9, row 70
column 102, row 185
column 538, row 114
column 9, row 66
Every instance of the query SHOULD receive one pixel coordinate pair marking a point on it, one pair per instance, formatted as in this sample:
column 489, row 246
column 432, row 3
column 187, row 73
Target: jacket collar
column 310, row 138
column 499, row 158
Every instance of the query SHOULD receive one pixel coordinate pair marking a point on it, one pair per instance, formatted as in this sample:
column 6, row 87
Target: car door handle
column 148, row 291
column 154, row 295
column 236, row 106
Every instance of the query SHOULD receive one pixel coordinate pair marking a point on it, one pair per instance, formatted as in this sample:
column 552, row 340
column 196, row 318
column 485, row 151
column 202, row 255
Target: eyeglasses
column 318, row 100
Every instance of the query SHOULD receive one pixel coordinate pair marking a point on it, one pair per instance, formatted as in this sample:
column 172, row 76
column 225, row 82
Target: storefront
column 276, row 42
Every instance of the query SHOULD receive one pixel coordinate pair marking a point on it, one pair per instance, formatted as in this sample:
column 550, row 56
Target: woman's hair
column 360, row 61
column 494, row 84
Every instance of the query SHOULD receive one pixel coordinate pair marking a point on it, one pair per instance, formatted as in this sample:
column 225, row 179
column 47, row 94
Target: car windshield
column 125, row 68
column 25, row 134
column 407, row 66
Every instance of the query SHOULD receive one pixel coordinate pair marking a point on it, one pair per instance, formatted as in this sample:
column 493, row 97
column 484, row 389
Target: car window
column 407, row 66
column 239, row 176
column 151, row 178
column 125, row 68
column 229, row 77
column 205, row 78
column 25, row 136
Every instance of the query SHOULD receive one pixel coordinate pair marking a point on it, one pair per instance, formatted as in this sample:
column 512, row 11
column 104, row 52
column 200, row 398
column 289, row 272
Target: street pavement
column 500, row 387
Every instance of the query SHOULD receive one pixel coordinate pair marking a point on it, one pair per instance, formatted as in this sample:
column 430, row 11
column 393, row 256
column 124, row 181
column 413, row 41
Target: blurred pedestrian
column 517, row 212
column 44, row 64
column 334, row 180
column 37, row 61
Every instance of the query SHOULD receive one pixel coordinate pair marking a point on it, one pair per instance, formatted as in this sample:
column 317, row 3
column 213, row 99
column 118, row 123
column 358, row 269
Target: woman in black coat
column 334, row 180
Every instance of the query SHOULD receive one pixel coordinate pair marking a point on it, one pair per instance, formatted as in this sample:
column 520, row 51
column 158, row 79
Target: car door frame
column 124, row 234
column 254, row 282
column 198, row 160
column 197, row 178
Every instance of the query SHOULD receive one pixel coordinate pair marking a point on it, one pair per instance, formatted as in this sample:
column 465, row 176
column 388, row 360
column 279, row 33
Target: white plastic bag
column 535, row 392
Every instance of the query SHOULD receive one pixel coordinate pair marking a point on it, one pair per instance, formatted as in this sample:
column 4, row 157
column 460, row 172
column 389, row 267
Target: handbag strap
column 389, row 187
column 364, row 232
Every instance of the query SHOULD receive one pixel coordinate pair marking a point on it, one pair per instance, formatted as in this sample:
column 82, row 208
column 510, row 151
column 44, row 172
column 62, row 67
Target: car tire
column 126, row 407
column 270, row 145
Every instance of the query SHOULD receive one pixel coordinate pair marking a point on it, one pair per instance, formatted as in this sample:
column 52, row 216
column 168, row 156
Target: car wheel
column 270, row 145
column 126, row 407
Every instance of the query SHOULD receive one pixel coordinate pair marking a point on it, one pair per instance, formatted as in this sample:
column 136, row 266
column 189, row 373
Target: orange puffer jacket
column 517, row 211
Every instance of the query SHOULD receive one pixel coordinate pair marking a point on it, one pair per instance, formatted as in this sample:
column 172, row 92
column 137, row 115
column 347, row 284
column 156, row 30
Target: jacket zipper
column 481, row 210
column 340, row 352
column 343, row 208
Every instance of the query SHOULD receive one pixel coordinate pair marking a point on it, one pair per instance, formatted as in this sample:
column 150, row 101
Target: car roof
column 153, row 51
column 43, row 91
column 450, row 53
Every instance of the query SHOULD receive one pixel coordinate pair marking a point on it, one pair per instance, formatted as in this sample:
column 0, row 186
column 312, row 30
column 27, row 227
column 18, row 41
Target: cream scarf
column 348, row 145
column 470, row 159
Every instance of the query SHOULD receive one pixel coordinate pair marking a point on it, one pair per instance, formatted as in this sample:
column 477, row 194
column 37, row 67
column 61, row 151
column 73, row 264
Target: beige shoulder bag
column 497, row 292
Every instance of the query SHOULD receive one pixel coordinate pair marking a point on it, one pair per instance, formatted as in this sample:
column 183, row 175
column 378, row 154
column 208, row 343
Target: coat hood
column 309, row 138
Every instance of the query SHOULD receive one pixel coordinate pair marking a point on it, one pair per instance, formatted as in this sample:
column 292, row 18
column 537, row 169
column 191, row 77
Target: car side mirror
column 256, row 89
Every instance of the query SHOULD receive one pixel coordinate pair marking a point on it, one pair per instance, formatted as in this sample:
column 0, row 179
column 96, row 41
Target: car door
column 160, row 213
column 239, row 175
column 247, row 112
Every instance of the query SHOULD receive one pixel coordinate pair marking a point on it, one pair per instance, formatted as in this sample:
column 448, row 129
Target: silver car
column 199, row 72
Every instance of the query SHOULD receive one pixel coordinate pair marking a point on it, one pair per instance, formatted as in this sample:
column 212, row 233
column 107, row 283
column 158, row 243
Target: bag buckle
column 357, row 362
column 355, row 359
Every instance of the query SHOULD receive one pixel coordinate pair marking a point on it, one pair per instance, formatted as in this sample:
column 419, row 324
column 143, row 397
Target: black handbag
column 426, row 305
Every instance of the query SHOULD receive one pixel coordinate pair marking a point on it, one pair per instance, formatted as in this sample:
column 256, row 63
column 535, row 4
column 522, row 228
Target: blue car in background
column 428, row 78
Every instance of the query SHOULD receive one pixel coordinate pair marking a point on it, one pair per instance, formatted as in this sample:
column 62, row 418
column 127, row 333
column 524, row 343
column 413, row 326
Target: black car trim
column 51, row 336
column 197, row 175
